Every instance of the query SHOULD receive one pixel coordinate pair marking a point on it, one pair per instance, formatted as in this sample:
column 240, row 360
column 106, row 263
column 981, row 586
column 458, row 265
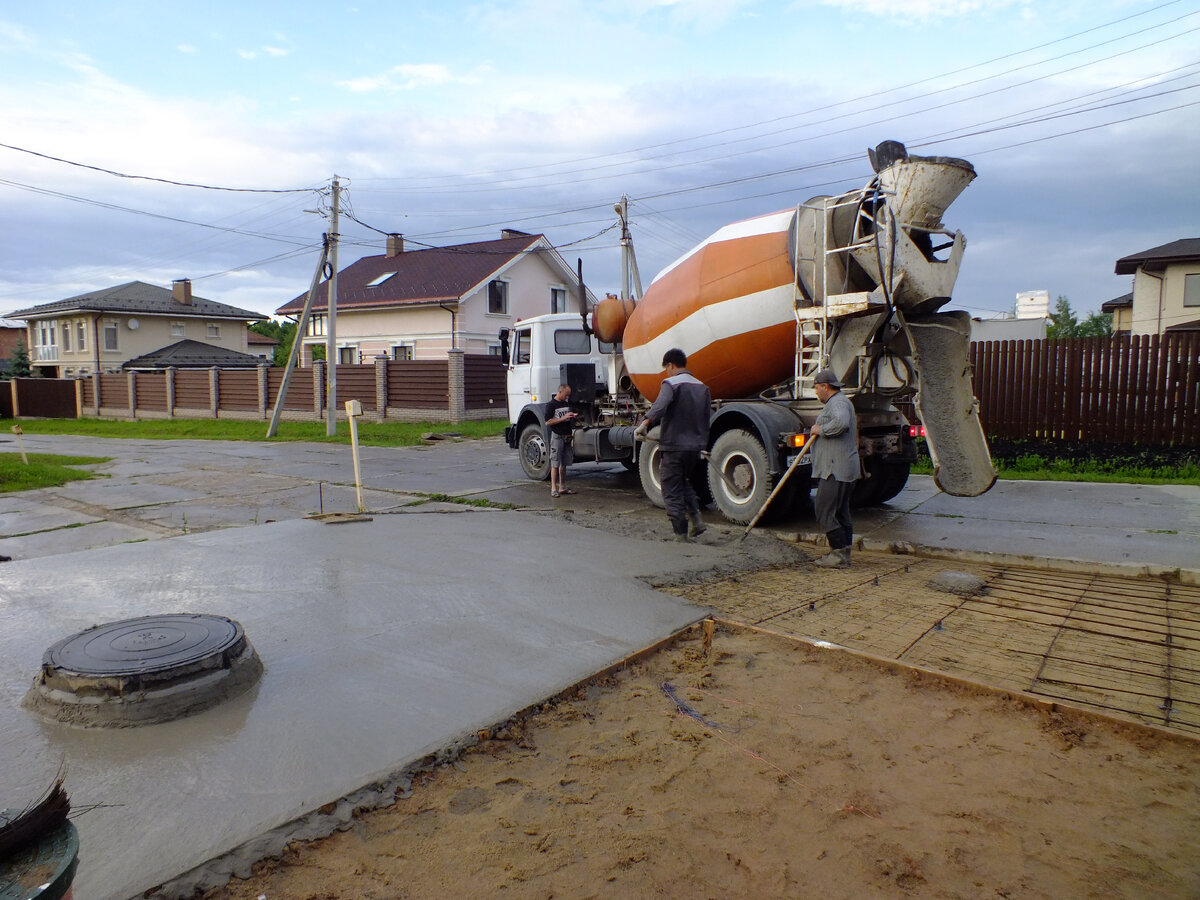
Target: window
column 495, row 350
column 110, row 335
column 81, row 336
column 348, row 355
column 375, row 282
column 1191, row 290
column 214, row 330
column 574, row 341
column 176, row 329
column 498, row 298
column 402, row 351
column 316, row 326
column 558, row 300
column 66, row 336
column 522, row 346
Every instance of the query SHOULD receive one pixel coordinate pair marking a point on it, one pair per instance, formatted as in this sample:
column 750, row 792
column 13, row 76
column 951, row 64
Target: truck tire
column 738, row 475
column 883, row 482
column 534, row 452
column 649, row 460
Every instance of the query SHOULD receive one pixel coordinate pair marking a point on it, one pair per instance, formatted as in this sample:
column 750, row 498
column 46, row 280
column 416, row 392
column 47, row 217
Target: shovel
column 762, row 509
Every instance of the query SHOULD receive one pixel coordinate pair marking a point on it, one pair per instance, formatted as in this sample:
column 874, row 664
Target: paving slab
column 383, row 641
column 22, row 514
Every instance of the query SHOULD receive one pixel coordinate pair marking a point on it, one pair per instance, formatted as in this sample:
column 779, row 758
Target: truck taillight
column 795, row 441
column 915, row 431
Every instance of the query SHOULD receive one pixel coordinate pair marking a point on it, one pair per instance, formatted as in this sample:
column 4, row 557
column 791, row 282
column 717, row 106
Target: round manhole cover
column 144, row 670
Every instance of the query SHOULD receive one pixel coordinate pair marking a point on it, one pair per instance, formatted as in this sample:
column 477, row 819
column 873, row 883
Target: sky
column 448, row 121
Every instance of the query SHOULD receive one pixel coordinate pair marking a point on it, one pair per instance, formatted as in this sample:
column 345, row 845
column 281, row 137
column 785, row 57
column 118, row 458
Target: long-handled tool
column 762, row 509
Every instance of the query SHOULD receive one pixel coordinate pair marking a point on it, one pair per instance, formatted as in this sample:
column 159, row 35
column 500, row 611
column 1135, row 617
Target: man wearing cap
column 835, row 467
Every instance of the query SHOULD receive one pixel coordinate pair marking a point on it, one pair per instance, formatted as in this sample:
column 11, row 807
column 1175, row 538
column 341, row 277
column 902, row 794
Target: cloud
column 247, row 54
column 186, row 48
column 276, row 51
column 923, row 10
column 404, row 78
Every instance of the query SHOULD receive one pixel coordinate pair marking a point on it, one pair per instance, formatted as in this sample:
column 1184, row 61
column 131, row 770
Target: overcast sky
column 448, row 120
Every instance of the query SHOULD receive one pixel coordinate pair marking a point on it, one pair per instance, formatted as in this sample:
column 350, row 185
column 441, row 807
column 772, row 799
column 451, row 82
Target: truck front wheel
column 534, row 452
column 738, row 475
column 649, row 460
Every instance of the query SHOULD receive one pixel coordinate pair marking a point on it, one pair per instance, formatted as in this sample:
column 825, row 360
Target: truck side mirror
column 504, row 345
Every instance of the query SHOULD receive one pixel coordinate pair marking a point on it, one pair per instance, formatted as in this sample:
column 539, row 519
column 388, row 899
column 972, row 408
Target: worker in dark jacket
column 835, row 467
column 682, row 408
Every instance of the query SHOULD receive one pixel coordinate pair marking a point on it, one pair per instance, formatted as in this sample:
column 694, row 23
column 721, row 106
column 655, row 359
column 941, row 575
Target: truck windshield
column 568, row 342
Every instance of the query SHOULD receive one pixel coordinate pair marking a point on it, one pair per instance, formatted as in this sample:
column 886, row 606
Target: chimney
column 506, row 233
column 395, row 244
column 181, row 290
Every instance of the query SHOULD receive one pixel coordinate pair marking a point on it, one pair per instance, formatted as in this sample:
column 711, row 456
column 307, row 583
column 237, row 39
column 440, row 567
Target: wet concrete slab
column 383, row 641
column 73, row 538
column 19, row 514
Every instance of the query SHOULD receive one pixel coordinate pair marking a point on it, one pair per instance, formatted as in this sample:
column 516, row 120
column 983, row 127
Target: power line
column 207, row 187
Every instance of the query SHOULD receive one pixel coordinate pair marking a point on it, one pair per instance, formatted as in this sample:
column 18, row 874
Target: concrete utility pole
column 331, row 359
column 628, row 260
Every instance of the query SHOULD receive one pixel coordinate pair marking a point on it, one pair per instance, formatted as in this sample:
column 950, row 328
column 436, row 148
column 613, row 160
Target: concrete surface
column 383, row 641
column 389, row 640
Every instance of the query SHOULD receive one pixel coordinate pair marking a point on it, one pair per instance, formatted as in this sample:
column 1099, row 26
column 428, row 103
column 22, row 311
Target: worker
column 559, row 417
column 834, row 467
column 683, row 408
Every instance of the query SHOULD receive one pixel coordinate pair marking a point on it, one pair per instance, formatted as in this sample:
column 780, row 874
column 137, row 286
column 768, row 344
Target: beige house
column 1166, row 290
column 421, row 303
column 102, row 330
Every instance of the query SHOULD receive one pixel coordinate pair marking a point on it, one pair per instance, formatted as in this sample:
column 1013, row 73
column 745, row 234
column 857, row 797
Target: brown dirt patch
column 790, row 771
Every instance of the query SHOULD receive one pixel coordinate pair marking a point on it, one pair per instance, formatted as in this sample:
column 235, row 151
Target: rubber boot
column 696, row 526
column 683, row 538
column 834, row 559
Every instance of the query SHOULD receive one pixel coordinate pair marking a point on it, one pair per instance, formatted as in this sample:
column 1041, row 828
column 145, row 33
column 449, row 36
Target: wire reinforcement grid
column 1129, row 646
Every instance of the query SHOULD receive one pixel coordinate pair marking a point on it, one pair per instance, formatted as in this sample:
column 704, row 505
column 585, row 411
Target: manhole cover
column 144, row 670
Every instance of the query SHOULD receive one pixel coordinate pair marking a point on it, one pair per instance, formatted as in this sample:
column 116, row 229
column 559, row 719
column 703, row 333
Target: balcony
column 44, row 354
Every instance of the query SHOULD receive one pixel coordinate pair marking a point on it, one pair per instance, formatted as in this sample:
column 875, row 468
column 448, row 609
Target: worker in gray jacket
column 835, row 467
column 683, row 407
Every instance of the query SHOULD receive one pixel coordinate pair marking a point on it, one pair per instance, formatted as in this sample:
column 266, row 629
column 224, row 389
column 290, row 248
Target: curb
column 1173, row 574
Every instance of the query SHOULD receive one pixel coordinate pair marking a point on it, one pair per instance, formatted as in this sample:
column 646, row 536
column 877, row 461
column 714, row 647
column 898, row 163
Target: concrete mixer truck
column 855, row 282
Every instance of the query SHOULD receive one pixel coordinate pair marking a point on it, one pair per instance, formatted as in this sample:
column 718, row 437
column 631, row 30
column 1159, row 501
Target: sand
column 766, row 767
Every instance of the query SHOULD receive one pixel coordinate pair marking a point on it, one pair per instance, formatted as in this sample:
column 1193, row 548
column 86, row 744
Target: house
column 1008, row 329
column 1121, row 310
column 261, row 345
column 189, row 354
column 420, row 304
column 12, row 334
column 102, row 330
column 1166, row 289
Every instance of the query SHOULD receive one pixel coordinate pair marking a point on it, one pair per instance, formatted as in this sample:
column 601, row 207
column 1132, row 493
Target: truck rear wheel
column 534, row 452
column 738, row 475
column 883, row 482
column 649, row 460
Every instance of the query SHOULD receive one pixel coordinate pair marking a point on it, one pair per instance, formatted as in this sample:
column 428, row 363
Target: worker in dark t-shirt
column 560, row 417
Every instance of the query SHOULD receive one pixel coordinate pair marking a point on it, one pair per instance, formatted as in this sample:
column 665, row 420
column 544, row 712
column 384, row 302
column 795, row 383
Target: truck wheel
column 649, row 460
column 534, row 452
column 883, row 482
column 894, row 481
column 738, row 475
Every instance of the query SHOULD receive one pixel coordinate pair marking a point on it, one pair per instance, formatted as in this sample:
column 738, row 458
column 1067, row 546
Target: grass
column 1037, row 467
column 372, row 434
column 44, row 470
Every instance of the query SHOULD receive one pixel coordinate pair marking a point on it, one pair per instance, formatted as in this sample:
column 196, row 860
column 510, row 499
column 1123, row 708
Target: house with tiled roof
column 1166, row 290
column 421, row 303
column 102, row 330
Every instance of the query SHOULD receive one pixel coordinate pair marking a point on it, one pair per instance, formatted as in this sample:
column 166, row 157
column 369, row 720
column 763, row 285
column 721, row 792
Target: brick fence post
column 170, row 376
column 458, row 386
column 96, row 391
column 318, row 389
column 131, row 381
column 263, row 389
column 381, row 386
column 214, row 391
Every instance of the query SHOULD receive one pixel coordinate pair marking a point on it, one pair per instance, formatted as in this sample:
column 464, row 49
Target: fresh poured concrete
column 383, row 641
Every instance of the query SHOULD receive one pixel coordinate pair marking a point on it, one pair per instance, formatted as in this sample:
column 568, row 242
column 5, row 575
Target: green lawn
column 385, row 434
column 1032, row 467
column 44, row 470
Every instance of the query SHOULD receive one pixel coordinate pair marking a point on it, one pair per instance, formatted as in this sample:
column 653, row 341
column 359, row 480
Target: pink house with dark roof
column 419, row 303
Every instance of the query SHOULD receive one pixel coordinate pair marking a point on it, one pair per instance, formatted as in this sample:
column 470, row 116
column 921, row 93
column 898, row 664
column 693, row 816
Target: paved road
column 156, row 489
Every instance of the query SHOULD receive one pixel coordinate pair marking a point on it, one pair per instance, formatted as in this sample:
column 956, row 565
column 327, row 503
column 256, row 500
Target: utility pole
column 331, row 358
column 628, row 260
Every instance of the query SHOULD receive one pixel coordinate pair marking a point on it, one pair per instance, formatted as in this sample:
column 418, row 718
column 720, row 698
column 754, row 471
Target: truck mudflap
column 946, row 404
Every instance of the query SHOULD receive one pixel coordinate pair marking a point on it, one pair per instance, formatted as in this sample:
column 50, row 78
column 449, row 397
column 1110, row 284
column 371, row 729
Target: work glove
column 640, row 431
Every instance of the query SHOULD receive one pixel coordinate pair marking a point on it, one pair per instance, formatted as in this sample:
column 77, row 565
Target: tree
column 19, row 364
column 284, row 332
column 1065, row 324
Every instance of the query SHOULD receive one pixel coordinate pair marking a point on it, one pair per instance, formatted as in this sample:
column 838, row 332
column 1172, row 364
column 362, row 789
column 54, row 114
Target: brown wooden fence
column 1139, row 390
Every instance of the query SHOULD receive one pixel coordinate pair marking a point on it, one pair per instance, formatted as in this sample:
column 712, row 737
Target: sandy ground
column 763, row 767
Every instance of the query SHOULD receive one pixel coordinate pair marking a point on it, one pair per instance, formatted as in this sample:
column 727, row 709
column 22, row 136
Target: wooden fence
column 448, row 390
column 1138, row 390
column 1143, row 390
